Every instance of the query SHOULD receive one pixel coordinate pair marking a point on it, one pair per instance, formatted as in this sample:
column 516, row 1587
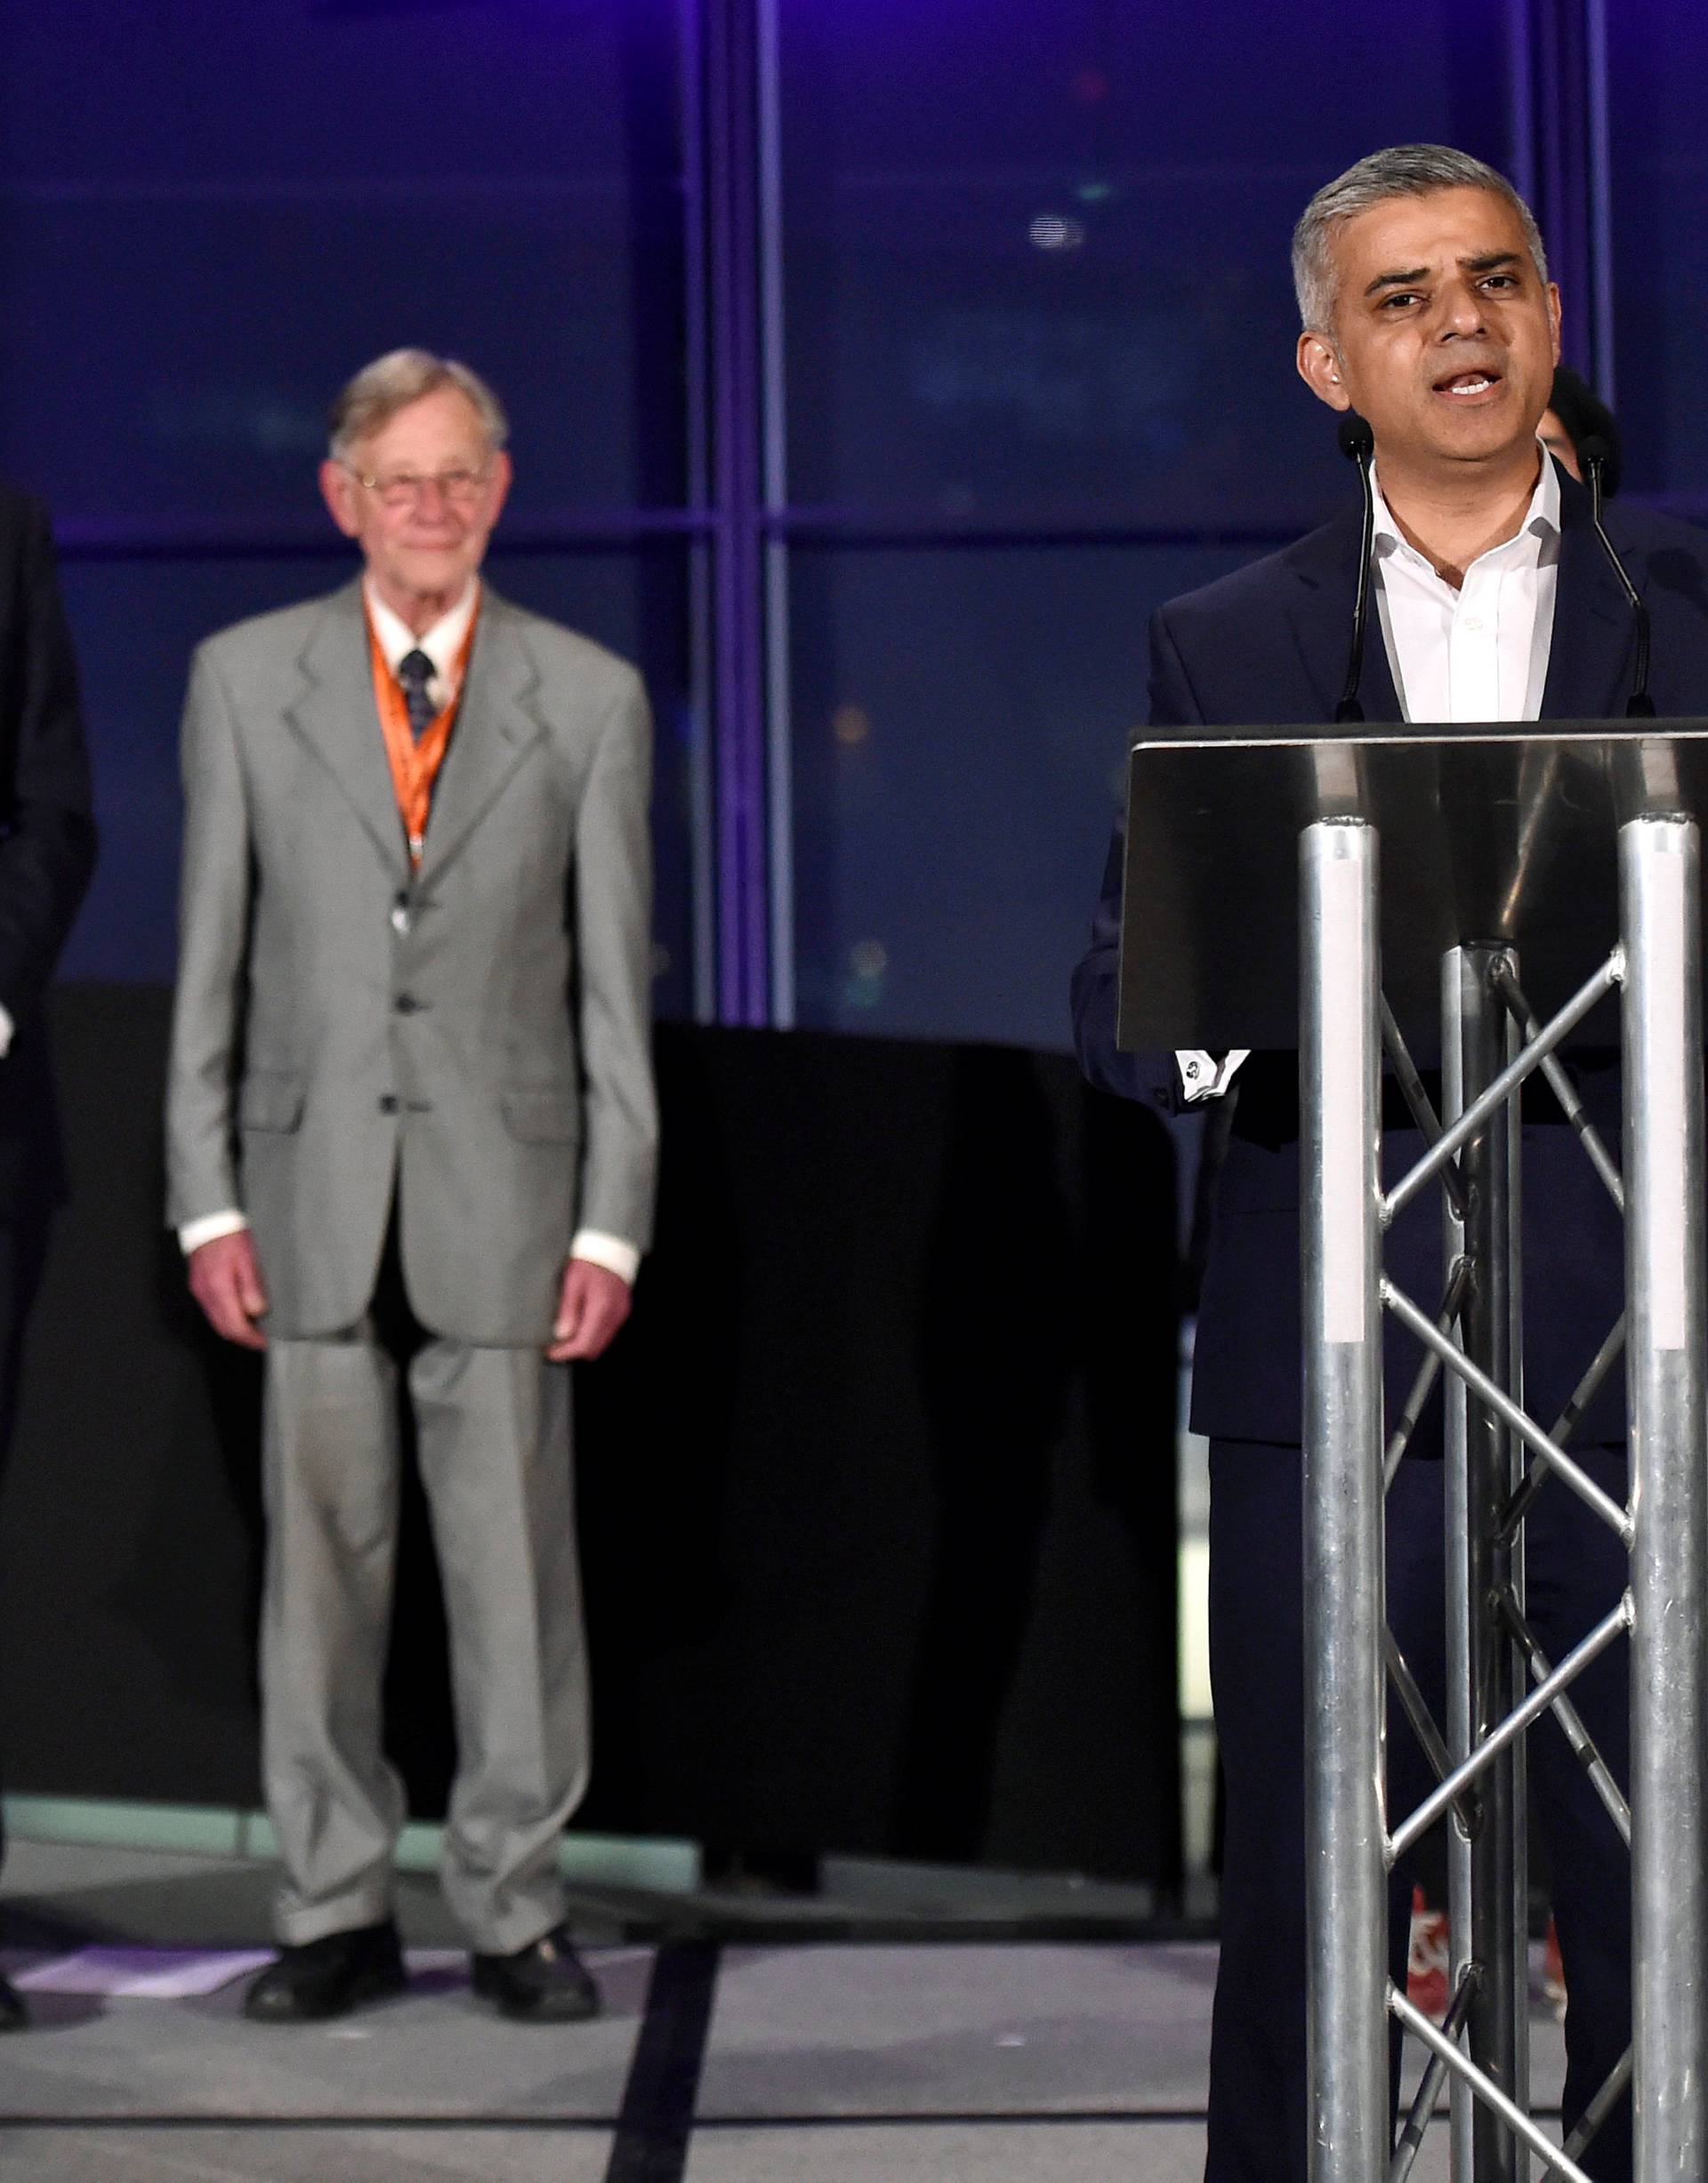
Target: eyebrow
column 1490, row 261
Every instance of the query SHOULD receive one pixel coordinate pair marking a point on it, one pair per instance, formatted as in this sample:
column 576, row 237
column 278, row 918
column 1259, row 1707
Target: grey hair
column 1402, row 171
column 391, row 383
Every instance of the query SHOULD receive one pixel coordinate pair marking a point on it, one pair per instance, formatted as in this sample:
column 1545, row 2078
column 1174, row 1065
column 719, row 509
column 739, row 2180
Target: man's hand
column 225, row 1280
column 594, row 1305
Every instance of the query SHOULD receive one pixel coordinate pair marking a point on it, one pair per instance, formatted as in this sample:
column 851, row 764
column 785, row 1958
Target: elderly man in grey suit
column 411, row 1148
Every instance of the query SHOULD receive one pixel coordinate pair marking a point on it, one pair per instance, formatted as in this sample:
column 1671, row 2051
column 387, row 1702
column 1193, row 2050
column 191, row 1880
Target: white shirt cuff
column 613, row 1252
column 1207, row 1075
column 209, row 1228
column 7, row 1027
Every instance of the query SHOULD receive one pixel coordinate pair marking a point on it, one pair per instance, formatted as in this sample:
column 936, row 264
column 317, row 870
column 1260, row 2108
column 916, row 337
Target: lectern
column 1477, row 896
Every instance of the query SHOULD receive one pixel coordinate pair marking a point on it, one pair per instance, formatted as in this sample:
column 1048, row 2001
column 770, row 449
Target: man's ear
column 338, row 490
column 1320, row 369
column 502, row 475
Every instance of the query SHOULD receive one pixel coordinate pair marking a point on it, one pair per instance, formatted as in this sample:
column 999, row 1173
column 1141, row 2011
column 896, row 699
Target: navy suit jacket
column 1268, row 646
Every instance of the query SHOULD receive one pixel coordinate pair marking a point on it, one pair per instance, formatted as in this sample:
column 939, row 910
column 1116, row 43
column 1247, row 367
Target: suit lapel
column 333, row 712
column 497, row 726
column 1591, row 658
column 1325, row 566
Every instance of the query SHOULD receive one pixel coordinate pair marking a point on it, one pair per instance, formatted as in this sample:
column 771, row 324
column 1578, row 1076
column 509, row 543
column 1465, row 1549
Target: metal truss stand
column 1499, row 1458
column 1444, row 882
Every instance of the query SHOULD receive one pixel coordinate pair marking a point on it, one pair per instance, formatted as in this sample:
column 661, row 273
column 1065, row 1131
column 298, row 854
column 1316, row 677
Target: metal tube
column 1456, row 1425
column 1411, row 1086
column 1506, row 1731
column 1564, row 1426
column 1509, row 1412
column 1428, row 1373
column 1565, row 1090
column 1660, row 901
column 1600, row 2108
column 1484, row 2088
column 1575, row 1111
column 1346, row 1882
column 1488, row 1904
column 1571, row 1722
column 1429, row 2091
column 1512, row 1669
column 1417, row 1711
column 1458, row 1132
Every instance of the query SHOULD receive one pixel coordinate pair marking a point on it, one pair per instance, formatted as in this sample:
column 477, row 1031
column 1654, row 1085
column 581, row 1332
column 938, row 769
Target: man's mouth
column 1466, row 385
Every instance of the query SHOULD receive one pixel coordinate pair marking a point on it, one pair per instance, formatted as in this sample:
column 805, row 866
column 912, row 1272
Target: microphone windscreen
column 1357, row 441
column 1593, row 451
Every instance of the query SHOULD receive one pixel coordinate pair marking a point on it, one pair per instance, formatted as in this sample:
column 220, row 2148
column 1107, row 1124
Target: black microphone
column 1358, row 445
column 1594, row 453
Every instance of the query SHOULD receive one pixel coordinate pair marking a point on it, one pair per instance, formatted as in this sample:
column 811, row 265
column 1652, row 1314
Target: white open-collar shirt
column 1475, row 652
column 1479, row 652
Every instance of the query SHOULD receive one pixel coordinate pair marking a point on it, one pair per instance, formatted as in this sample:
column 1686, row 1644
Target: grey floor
column 868, row 2059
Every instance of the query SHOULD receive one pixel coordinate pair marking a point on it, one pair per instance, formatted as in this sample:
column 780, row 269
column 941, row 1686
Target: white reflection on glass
column 1057, row 231
column 851, row 724
column 868, row 960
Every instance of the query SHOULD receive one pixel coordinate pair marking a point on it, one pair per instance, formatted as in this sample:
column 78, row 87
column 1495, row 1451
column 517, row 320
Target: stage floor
column 716, row 2061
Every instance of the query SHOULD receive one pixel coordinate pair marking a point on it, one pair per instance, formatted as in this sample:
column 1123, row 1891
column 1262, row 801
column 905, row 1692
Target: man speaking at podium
column 1427, row 311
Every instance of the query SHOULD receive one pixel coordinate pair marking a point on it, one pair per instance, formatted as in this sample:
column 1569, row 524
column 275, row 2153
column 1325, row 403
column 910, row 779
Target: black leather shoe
column 13, row 2015
column 544, row 1982
column 328, row 1977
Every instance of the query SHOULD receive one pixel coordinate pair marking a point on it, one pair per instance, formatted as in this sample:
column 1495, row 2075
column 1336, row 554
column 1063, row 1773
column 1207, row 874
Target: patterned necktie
column 415, row 671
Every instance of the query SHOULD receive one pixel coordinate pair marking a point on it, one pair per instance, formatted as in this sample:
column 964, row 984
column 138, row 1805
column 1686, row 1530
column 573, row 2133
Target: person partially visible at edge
column 1575, row 413
column 411, row 1150
column 1427, row 308
column 47, row 857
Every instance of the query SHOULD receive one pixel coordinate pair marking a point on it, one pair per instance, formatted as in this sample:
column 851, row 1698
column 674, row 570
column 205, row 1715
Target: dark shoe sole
column 551, row 2005
column 379, row 1984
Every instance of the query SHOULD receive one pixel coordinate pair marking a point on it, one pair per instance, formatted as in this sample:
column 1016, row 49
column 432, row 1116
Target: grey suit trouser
column 492, row 1435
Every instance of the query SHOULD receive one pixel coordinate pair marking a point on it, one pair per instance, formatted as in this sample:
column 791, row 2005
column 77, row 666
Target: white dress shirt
column 1477, row 653
column 443, row 644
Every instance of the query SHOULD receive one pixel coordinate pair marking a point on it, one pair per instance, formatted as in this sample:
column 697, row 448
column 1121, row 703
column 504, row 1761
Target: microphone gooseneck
column 1592, row 452
column 1358, row 445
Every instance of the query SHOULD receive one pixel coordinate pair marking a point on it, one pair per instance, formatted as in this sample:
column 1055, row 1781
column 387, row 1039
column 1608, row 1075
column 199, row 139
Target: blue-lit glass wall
column 210, row 214
column 1657, row 62
column 875, row 369
column 1036, row 300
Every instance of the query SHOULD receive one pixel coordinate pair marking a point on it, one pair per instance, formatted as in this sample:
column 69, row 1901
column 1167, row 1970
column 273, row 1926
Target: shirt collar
column 441, row 643
column 1541, row 521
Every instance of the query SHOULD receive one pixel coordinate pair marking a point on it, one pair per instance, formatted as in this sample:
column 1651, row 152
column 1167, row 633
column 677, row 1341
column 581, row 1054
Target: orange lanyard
column 414, row 764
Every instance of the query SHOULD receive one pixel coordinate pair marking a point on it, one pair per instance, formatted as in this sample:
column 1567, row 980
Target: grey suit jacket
column 476, row 1033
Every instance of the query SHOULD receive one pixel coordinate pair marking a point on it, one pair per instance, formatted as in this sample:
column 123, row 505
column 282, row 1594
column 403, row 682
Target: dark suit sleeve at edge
column 1096, row 985
column 47, row 829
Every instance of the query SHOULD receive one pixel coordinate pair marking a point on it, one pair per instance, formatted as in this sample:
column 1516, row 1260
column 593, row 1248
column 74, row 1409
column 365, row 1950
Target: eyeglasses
column 406, row 489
